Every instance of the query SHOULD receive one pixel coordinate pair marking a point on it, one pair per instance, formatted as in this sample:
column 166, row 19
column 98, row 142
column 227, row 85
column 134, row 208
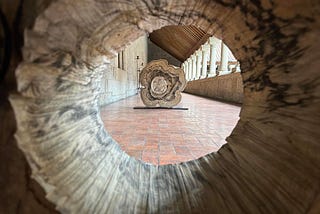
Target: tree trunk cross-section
column 162, row 84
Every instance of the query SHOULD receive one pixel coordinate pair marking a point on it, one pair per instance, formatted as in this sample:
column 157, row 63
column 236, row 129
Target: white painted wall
column 117, row 83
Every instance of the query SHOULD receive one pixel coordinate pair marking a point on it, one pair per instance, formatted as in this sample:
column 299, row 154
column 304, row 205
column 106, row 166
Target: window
column 121, row 60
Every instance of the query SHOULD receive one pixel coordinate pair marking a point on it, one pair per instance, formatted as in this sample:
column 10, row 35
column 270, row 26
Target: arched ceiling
column 179, row 41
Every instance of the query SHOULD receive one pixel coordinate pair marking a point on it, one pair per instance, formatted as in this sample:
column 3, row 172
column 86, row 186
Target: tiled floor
column 170, row 136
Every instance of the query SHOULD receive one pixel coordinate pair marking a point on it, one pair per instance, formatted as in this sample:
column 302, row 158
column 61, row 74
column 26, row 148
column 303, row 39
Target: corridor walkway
column 170, row 136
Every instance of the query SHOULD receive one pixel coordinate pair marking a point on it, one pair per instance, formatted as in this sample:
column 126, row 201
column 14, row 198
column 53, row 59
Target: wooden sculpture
column 162, row 84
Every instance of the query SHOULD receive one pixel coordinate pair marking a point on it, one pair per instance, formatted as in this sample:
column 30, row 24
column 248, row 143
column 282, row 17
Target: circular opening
column 195, row 127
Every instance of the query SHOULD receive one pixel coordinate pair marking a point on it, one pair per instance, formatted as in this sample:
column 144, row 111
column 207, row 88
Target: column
column 189, row 68
column 223, row 68
column 182, row 67
column 235, row 68
column 204, row 49
column 213, row 42
column 238, row 67
column 186, row 69
column 194, row 66
column 198, row 54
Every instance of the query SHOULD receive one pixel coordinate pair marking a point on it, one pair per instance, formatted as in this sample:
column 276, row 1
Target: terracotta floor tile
column 181, row 150
column 151, row 145
column 151, row 159
column 135, row 153
column 170, row 136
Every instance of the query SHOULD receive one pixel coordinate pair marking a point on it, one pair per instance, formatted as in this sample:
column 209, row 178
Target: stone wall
column 118, row 83
column 155, row 52
column 226, row 87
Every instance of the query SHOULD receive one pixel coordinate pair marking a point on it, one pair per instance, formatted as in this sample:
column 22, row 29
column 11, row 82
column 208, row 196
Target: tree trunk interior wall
column 271, row 163
column 19, row 192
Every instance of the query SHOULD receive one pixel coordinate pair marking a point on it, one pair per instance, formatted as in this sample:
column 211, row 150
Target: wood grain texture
column 271, row 163
column 162, row 84
column 179, row 41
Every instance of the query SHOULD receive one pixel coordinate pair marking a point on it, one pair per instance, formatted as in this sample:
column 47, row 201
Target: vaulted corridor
column 162, row 136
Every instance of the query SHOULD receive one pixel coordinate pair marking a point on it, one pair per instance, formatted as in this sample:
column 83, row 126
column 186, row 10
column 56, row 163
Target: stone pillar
column 182, row 67
column 198, row 69
column 223, row 68
column 194, row 66
column 238, row 67
column 235, row 68
column 213, row 42
column 190, row 68
column 186, row 70
column 204, row 49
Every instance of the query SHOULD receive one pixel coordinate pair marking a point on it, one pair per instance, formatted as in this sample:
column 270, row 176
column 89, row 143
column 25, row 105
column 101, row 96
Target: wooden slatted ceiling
column 179, row 41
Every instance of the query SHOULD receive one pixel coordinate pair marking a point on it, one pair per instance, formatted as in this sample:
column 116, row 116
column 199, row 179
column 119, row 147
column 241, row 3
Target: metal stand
column 168, row 108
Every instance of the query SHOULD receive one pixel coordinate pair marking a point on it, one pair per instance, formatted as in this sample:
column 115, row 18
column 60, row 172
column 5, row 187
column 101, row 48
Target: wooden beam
column 196, row 46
